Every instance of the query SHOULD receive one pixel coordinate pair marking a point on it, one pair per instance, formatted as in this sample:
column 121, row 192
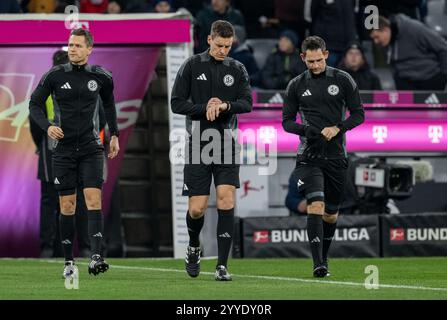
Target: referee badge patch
column 333, row 90
column 92, row 85
column 228, row 80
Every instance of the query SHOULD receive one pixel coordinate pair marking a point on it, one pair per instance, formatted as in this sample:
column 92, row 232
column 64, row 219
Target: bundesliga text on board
column 300, row 235
column 399, row 235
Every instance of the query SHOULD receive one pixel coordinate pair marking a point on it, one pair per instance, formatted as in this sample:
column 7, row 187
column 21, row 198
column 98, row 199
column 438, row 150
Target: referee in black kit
column 210, row 89
column 78, row 156
column 321, row 96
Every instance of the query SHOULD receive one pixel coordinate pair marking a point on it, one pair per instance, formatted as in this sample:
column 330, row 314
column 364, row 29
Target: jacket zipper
column 79, row 116
column 213, row 76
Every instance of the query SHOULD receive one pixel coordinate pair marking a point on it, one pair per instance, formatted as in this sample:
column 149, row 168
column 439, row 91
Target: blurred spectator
column 334, row 22
column 417, row 54
column 284, row 63
column 243, row 53
column 295, row 201
column 354, row 62
column 135, row 6
column 255, row 17
column 290, row 15
column 218, row 10
column 42, row 6
column 412, row 8
column 114, row 7
column 9, row 6
column 94, row 6
column 60, row 5
column 162, row 6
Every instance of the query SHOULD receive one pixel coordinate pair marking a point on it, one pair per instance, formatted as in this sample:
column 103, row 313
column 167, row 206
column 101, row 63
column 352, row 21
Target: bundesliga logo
column 418, row 234
column 397, row 234
column 261, row 236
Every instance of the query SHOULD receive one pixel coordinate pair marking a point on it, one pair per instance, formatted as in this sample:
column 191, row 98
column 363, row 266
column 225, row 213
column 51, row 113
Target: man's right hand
column 316, row 143
column 55, row 132
column 214, row 101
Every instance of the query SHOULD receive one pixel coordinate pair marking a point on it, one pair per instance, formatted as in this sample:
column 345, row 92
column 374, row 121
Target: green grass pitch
column 253, row 279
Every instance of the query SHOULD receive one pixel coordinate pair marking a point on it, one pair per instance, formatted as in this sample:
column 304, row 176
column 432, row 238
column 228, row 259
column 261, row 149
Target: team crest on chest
column 92, row 85
column 228, row 80
column 333, row 90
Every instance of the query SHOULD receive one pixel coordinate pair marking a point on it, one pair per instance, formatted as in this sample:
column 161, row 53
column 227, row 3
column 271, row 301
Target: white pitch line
column 325, row 281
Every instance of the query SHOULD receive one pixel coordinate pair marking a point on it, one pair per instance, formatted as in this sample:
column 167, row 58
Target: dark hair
column 313, row 43
column 60, row 57
column 82, row 32
column 222, row 28
column 383, row 23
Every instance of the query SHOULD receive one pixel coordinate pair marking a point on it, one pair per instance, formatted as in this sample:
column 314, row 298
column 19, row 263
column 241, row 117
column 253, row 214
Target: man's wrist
column 340, row 127
column 228, row 105
column 208, row 106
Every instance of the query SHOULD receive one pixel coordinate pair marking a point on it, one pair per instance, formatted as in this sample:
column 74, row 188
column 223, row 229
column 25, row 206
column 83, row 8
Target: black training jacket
column 76, row 92
column 322, row 101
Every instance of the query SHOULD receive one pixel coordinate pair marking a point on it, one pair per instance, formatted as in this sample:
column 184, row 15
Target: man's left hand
column 330, row 132
column 114, row 147
column 213, row 110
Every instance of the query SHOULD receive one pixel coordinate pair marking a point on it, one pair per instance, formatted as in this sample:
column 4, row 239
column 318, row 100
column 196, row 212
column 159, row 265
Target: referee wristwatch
column 228, row 105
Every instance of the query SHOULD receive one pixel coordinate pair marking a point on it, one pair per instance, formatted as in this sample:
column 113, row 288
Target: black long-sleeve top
column 201, row 78
column 322, row 101
column 76, row 91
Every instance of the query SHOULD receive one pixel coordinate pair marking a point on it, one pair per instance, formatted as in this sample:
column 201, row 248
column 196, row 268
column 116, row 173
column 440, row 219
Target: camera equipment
column 393, row 181
column 378, row 182
column 371, row 183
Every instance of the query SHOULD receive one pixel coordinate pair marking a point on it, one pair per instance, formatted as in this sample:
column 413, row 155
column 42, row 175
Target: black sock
column 95, row 231
column 67, row 230
column 194, row 228
column 328, row 234
column 225, row 230
column 315, row 234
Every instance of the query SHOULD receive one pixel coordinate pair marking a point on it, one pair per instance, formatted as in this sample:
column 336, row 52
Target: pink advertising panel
column 123, row 31
column 391, row 136
column 25, row 55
